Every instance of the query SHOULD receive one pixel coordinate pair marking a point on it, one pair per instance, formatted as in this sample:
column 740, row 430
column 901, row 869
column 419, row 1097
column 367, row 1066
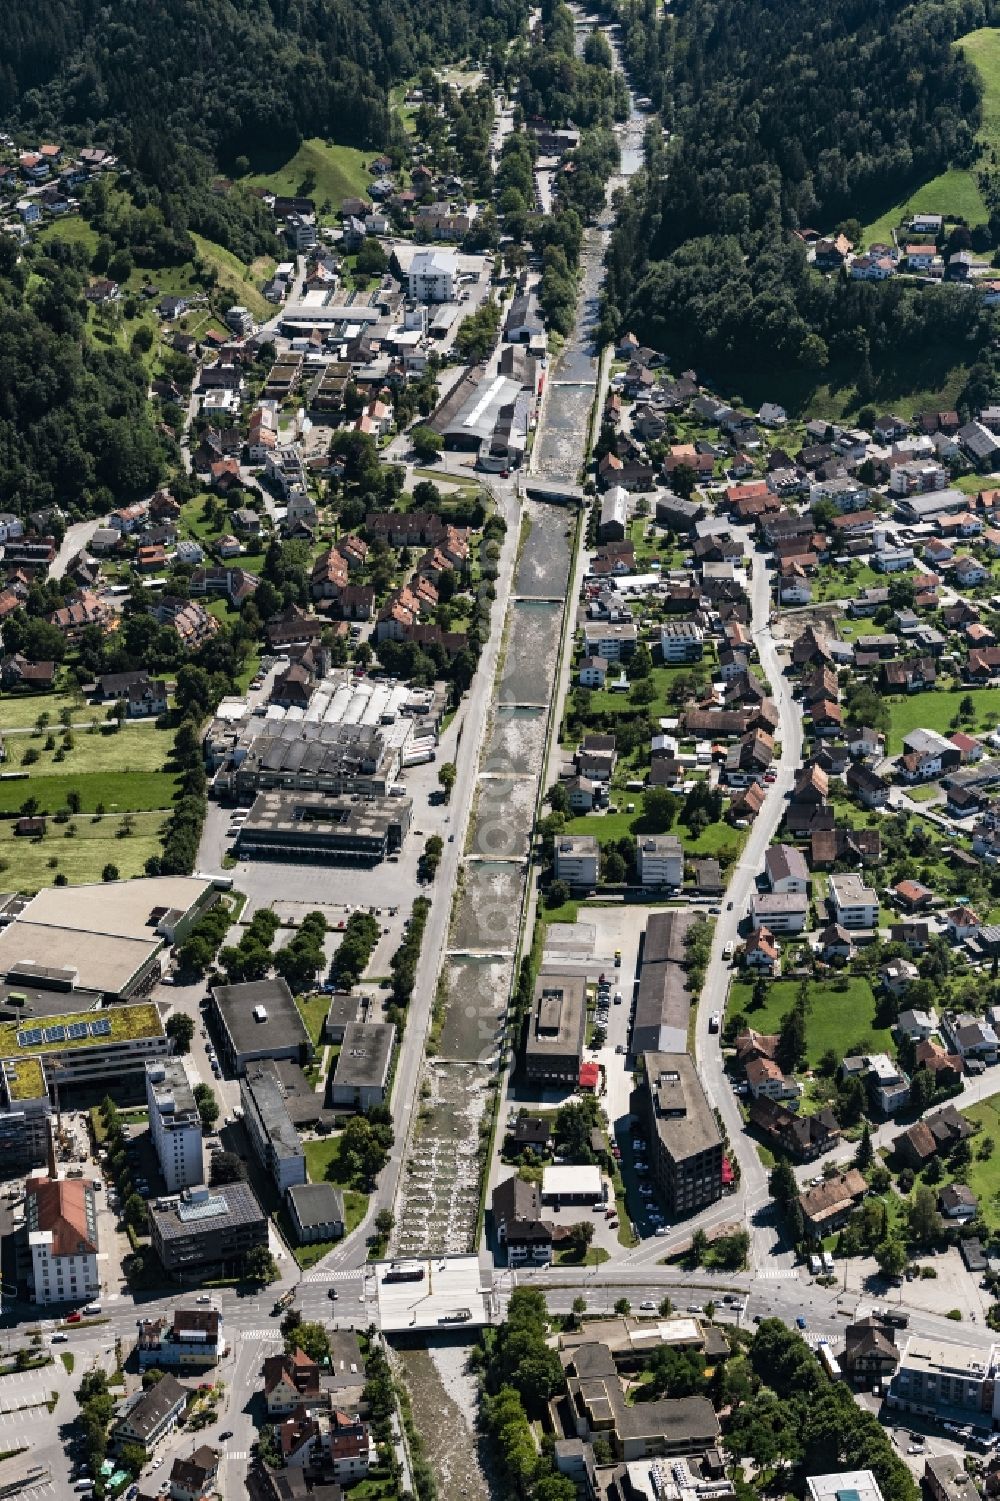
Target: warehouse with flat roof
column 309, row 827
column 361, row 1074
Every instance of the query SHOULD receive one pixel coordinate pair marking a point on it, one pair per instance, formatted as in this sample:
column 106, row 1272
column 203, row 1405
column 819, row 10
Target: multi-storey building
column 686, row 1154
column 174, row 1124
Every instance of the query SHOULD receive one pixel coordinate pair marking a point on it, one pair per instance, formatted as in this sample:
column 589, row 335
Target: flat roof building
column 557, row 1028
column 316, row 1211
column 845, row 1485
column 686, row 1143
column 361, row 1073
column 259, row 1019
column 207, row 1227
column 174, row 1124
column 266, row 1120
column 82, row 1054
column 306, row 827
column 943, row 1379
column 108, row 935
column 572, row 1184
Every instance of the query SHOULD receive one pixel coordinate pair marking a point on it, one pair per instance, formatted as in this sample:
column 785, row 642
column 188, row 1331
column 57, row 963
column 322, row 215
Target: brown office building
column 685, row 1141
column 556, row 1029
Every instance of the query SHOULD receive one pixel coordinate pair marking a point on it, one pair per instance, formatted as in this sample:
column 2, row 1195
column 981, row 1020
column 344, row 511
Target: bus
column 828, row 1360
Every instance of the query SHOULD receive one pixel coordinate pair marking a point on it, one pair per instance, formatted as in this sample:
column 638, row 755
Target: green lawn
column 922, row 793
column 313, row 1010
column 717, row 839
column 983, row 1177
column 19, row 711
column 837, row 1019
column 73, row 230
column 242, row 281
column 323, row 1164
column 936, row 709
column 955, row 193
column 81, row 858
column 122, row 771
column 327, row 173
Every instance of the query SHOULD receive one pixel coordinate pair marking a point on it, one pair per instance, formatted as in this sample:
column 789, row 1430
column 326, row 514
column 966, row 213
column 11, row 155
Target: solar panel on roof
column 100, row 1028
column 75, row 1030
column 29, row 1039
column 54, row 1034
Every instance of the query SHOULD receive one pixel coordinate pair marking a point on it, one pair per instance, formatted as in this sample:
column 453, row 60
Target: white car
column 647, row 1306
column 660, row 1230
column 645, row 1190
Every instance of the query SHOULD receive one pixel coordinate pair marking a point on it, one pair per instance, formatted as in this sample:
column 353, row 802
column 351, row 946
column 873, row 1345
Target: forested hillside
column 784, row 114
column 228, row 77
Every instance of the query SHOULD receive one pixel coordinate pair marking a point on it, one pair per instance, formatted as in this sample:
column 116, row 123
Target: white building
column 174, row 1124
column 577, row 859
column 889, row 1084
column 240, row 320
column 432, row 276
column 60, row 1216
column 681, row 641
column 660, row 860
column 854, row 904
column 786, row 869
column 860, row 1485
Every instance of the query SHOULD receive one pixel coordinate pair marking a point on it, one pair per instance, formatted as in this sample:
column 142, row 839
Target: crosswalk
column 352, row 1274
column 238, row 1454
column 777, row 1274
column 270, row 1331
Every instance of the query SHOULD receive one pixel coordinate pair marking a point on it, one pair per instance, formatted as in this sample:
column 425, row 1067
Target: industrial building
column 341, row 830
column 306, row 756
column 273, row 1137
column 686, row 1154
column 207, row 1227
column 259, row 1019
column 663, row 1002
column 106, row 937
column 556, row 1029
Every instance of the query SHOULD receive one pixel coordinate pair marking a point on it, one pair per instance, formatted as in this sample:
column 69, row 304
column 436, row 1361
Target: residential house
column 829, row 1205
column 148, row 1416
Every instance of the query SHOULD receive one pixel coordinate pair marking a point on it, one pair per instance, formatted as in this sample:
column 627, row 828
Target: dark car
column 226, row 1433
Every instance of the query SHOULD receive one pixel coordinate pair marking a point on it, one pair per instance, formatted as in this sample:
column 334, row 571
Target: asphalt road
column 751, row 1197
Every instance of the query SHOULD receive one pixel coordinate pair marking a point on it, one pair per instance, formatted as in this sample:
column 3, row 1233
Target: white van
column 815, row 1265
column 92, row 1308
column 827, row 1261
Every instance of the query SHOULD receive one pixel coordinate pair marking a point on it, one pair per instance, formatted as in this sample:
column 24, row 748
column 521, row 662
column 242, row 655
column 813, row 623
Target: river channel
column 438, row 1204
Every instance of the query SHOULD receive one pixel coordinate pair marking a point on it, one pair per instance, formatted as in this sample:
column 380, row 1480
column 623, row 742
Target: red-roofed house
column 61, row 1220
column 590, row 1075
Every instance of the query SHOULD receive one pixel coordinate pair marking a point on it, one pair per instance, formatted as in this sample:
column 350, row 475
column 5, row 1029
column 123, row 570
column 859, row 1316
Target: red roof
column 590, row 1073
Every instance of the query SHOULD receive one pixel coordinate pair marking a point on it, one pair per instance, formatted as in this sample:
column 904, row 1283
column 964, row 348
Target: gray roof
column 182, row 1217
column 685, row 1120
column 663, row 1003
column 262, row 1092
column 364, row 1055
column 147, row 1412
column 283, row 1027
column 316, row 1204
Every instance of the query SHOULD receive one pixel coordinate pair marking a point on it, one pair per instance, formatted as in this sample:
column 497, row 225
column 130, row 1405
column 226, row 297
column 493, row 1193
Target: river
column 437, row 1206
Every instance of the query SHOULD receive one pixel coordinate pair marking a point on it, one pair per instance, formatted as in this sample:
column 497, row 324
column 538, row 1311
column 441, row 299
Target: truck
column 285, row 1301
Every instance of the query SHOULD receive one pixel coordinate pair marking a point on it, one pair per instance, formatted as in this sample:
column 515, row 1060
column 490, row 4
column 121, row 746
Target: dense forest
column 784, row 115
column 75, row 425
column 228, row 78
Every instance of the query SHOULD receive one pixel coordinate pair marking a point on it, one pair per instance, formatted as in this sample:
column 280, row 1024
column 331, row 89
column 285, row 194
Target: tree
column 384, row 1222
column 666, row 1307
column 558, row 894
column 226, row 1167
column 792, row 1039
column 865, row 1155
column 310, row 1337
column 208, row 1105
column 447, row 772
column 180, row 1030
column 133, row 1458
column 580, row 1236
column 623, row 1306
column 426, row 443
column 660, row 808
column 134, row 1212
column 259, row 1265
column 579, row 1308
column 683, row 480
column 891, row 1257
column 923, row 1219
column 110, row 872
column 783, row 1186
